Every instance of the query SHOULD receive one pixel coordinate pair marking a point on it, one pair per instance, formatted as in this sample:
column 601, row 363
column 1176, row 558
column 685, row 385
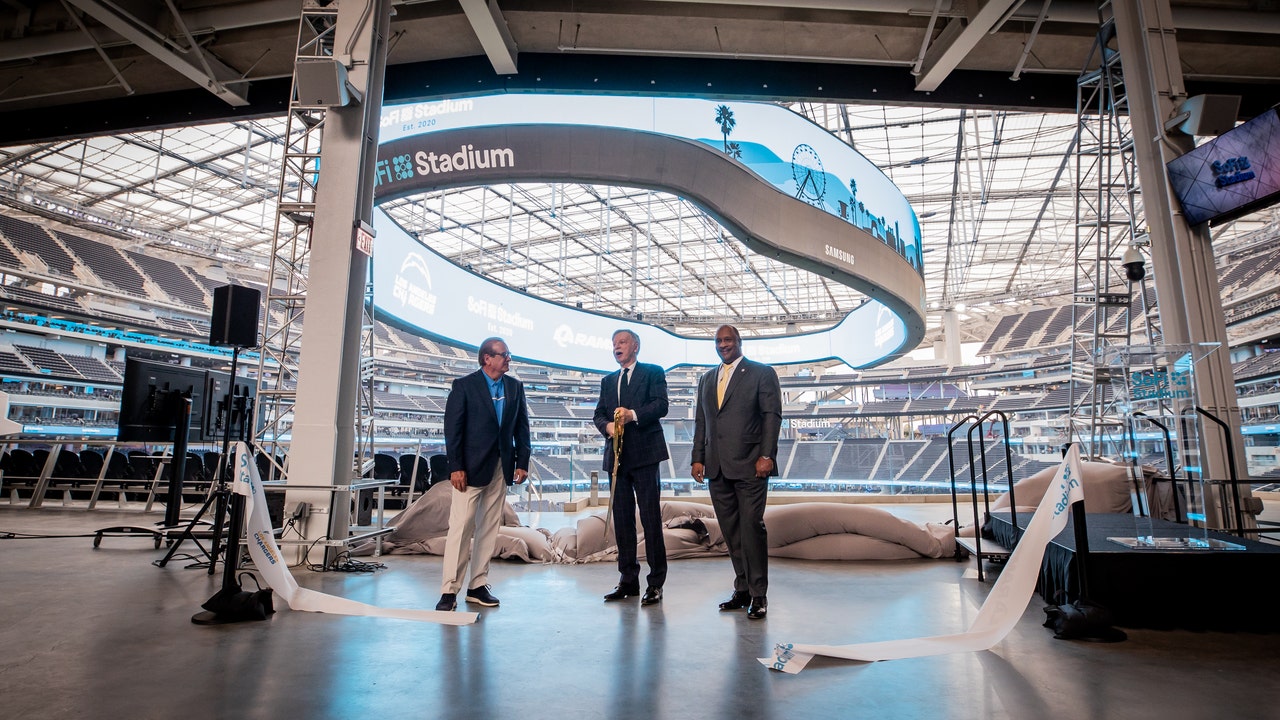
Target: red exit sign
column 364, row 239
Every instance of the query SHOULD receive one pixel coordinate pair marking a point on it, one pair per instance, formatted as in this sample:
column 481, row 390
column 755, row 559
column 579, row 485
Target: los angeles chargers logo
column 409, row 290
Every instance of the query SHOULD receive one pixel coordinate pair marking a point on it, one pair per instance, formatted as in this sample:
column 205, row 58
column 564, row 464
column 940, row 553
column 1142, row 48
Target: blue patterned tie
column 497, row 401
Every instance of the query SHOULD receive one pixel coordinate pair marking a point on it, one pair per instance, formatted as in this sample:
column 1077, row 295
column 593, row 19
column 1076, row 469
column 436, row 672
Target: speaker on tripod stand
column 234, row 323
column 235, row 316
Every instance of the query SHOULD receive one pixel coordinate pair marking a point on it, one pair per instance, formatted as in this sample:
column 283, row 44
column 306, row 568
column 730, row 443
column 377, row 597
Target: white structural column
column 1181, row 255
column 323, row 435
column 950, row 350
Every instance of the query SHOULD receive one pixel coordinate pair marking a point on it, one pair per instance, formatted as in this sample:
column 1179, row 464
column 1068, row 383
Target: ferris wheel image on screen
column 811, row 179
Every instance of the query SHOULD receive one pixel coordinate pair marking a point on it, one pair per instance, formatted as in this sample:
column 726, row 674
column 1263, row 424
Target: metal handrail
column 1168, row 459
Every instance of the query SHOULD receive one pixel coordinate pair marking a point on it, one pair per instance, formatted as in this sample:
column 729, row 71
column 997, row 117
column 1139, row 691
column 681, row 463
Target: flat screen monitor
column 149, row 404
column 215, row 410
column 1231, row 175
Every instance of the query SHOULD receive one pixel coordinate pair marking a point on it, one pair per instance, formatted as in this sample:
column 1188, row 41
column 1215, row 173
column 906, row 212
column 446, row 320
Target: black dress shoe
column 652, row 596
column 482, row 596
column 759, row 606
column 622, row 592
column 737, row 601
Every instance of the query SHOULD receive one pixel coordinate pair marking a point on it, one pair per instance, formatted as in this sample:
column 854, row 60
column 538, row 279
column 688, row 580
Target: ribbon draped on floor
column 1004, row 604
column 266, row 556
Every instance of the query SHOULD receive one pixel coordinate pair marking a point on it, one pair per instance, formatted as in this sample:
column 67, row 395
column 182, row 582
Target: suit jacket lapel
column 709, row 392
column 611, row 388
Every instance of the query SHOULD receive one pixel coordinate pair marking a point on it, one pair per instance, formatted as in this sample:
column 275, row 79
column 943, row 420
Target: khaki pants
column 474, row 514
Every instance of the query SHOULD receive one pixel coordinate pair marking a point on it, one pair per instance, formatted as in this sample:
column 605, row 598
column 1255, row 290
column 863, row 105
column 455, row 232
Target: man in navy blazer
column 735, row 443
column 636, row 396
column 486, row 435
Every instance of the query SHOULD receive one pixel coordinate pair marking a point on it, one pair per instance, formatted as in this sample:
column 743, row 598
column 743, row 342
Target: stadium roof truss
column 992, row 186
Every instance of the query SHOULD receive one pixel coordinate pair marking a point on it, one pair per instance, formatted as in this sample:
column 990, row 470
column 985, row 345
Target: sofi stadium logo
column 467, row 158
column 1159, row 384
column 1069, row 483
column 423, row 163
column 409, row 285
column 564, row 336
column 421, row 115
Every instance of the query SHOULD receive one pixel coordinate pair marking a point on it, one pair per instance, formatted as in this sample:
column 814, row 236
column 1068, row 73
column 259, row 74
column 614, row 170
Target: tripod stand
column 221, row 497
column 216, row 499
column 231, row 603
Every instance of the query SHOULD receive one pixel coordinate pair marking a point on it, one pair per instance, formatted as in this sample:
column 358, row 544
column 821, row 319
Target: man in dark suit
column 735, row 441
column 486, row 434
column 636, row 397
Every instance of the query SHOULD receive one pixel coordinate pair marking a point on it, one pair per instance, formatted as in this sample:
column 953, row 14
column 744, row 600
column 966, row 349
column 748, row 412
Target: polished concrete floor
column 105, row 634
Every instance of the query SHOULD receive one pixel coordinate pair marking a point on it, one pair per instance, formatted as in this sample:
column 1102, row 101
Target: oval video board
column 820, row 206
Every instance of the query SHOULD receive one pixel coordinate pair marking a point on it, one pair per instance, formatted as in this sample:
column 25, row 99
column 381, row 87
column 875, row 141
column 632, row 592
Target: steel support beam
column 495, row 37
column 208, row 71
column 1182, row 256
column 958, row 39
column 201, row 21
column 330, row 355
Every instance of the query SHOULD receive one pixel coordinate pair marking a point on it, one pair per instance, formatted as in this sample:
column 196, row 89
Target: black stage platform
column 1162, row 589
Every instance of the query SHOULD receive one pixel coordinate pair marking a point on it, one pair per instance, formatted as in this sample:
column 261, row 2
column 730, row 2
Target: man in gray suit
column 735, row 441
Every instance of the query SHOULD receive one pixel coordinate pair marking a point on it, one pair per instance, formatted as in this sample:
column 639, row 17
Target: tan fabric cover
column 843, row 547
column 815, row 531
column 1106, row 489
column 427, row 519
column 794, row 528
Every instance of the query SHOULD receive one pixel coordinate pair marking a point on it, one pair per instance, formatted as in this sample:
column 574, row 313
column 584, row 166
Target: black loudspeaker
column 235, row 316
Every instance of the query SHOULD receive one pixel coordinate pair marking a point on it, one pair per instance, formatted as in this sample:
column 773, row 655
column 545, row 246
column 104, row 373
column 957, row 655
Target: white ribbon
column 1000, row 612
column 266, row 556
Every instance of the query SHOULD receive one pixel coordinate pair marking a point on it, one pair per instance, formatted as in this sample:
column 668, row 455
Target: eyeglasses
column 503, row 355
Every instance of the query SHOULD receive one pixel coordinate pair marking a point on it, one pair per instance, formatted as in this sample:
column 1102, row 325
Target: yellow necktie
column 722, row 383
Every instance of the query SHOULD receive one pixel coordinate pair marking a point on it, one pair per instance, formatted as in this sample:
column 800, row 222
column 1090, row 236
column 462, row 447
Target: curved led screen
column 419, row 288
column 782, row 185
column 786, row 150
